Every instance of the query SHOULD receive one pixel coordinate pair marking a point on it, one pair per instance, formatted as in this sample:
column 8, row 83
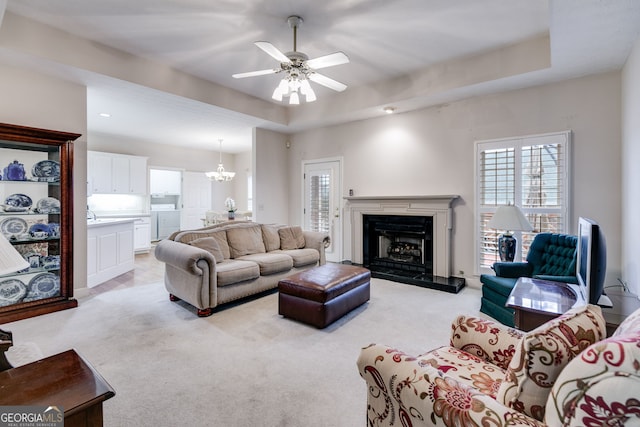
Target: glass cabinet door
column 36, row 217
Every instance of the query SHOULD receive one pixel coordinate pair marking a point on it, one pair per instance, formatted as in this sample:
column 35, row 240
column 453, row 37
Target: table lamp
column 10, row 259
column 508, row 218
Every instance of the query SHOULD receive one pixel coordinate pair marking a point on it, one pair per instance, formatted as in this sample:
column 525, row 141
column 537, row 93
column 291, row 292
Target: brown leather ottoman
column 321, row 295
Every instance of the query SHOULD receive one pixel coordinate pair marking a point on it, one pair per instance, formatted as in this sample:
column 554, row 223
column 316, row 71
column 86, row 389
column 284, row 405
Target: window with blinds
column 319, row 192
column 531, row 172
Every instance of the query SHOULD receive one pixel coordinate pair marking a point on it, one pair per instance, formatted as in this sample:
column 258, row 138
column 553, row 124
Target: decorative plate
column 39, row 230
column 48, row 205
column 17, row 203
column 54, row 229
column 44, row 285
column 13, row 226
column 12, row 291
column 50, row 262
column 46, row 170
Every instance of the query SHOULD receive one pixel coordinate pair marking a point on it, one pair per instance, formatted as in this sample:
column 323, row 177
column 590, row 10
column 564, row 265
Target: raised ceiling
column 400, row 52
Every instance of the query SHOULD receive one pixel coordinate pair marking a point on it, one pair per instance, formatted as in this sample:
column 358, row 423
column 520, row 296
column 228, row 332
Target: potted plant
column 231, row 208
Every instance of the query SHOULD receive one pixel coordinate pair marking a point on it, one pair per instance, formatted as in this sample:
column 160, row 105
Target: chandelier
column 220, row 174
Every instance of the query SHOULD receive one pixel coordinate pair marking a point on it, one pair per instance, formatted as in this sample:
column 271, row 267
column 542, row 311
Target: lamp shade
column 509, row 218
column 10, row 259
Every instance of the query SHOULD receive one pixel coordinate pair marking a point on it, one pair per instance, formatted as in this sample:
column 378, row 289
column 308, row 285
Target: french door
column 322, row 202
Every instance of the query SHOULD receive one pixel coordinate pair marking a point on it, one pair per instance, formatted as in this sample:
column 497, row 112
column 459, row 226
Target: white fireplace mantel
column 438, row 207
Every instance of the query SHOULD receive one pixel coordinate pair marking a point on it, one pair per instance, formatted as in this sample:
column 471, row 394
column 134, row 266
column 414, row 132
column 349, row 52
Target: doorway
column 322, row 209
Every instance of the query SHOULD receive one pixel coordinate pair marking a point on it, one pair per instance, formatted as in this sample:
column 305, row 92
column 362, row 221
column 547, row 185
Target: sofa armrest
column 512, row 269
column 319, row 241
column 184, row 257
column 402, row 390
column 489, row 340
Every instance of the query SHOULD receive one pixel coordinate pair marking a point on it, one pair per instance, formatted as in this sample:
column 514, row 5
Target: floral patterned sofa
column 564, row 373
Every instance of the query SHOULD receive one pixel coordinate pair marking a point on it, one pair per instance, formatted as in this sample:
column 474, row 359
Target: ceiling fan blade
column 255, row 73
column 328, row 82
column 273, row 51
column 336, row 58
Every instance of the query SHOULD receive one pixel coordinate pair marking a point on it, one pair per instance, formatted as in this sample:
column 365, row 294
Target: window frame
column 564, row 138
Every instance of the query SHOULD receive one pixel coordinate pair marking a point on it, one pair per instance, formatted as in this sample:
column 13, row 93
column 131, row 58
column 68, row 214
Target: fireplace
column 404, row 239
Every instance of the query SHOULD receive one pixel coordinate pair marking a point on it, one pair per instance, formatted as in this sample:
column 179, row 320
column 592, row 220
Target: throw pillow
column 245, row 240
column 543, row 353
column 291, row 238
column 271, row 237
column 210, row 245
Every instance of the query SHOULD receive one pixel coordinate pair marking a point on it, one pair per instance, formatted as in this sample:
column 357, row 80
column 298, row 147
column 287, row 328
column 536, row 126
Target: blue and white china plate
column 13, row 226
column 50, row 262
column 12, row 291
column 46, row 170
column 44, row 285
column 39, row 230
column 48, row 205
column 17, row 203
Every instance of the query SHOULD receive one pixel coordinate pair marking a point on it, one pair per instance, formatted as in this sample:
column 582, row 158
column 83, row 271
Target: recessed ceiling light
column 104, row 115
column 389, row 110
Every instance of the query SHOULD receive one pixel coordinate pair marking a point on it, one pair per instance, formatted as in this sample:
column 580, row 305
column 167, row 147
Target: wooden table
column 65, row 380
column 537, row 301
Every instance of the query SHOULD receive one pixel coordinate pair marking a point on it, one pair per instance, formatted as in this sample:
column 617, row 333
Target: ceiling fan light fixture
column 307, row 91
column 298, row 68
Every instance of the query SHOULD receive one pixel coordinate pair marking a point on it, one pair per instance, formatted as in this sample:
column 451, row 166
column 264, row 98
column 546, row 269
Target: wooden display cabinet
column 36, row 216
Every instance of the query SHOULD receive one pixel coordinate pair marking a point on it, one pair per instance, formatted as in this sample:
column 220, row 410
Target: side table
column 537, row 301
column 65, row 380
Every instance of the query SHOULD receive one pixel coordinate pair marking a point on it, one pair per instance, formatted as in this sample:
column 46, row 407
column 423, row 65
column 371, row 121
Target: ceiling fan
column 298, row 69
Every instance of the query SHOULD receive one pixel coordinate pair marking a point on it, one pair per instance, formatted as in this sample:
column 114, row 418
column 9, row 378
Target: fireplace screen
column 398, row 245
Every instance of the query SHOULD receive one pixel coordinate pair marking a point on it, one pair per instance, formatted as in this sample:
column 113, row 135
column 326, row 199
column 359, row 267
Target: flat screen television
column 592, row 262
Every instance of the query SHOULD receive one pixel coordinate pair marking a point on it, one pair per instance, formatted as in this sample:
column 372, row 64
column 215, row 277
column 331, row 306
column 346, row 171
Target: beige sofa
column 229, row 261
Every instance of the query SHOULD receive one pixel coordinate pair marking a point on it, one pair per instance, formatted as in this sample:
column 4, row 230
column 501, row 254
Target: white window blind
column 531, row 172
column 319, row 192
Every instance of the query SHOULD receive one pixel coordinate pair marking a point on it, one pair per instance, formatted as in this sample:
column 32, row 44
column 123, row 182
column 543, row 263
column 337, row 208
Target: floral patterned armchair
column 564, row 373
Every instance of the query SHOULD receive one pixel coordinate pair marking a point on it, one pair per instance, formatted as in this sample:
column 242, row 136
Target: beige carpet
column 244, row 366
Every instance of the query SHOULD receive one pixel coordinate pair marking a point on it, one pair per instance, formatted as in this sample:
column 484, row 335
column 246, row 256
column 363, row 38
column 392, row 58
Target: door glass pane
column 319, row 192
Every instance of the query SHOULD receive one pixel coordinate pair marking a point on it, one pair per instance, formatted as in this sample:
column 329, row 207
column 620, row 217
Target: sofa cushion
column 210, row 245
column 291, row 238
column 232, row 271
column 302, row 257
column 270, row 263
column 245, row 240
column 271, row 237
column 543, row 353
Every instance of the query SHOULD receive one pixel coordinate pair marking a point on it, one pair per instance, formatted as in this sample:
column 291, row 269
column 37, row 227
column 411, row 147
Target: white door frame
column 337, row 206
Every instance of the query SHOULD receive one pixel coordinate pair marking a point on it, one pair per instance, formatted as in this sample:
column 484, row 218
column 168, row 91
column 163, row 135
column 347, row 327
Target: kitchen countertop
column 91, row 223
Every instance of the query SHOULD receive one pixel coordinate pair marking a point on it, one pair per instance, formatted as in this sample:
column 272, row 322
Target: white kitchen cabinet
column 142, row 234
column 164, row 181
column 110, row 173
column 110, row 250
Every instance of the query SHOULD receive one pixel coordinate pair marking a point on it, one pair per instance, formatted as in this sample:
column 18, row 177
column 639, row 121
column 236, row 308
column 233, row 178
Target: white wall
column 631, row 170
column 271, row 178
column 32, row 99
column 431, row 152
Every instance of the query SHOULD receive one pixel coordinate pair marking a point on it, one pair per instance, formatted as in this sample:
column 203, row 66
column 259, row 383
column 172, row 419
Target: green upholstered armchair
column 551, row 257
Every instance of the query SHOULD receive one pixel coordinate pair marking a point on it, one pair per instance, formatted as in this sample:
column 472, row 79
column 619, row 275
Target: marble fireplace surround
column 438, row 207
